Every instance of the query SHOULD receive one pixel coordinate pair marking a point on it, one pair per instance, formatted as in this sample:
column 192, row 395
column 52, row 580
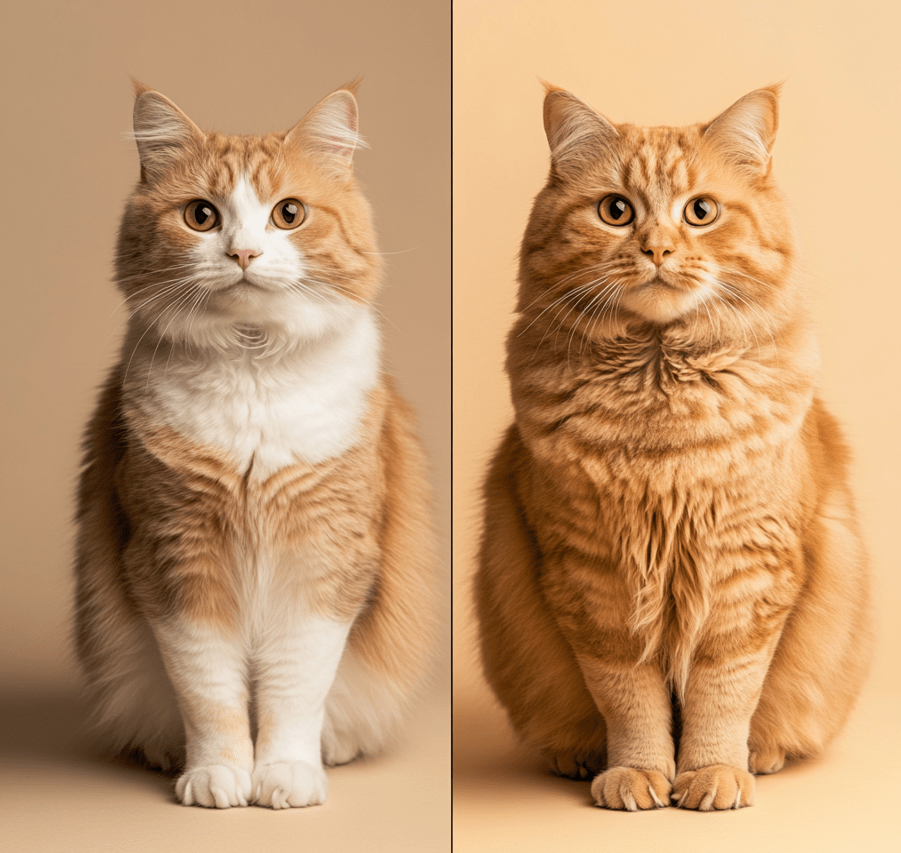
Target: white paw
column 219, row 786
column 340, row 753
column 283, row 786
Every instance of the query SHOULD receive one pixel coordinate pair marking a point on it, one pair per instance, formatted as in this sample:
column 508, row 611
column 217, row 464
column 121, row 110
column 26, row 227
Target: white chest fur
column 273, row 411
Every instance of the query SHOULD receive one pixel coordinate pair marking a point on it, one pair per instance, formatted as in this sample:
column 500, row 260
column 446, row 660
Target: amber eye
column 701, row 211
column 289, row 213
column 615, row 210
column 201, row 215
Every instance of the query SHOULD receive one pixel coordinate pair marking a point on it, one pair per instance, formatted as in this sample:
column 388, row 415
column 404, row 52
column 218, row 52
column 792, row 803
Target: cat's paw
column 766, row 760
column 631, row 789
column 340, row 752
column 218, row 786
column 161, row 758
column 580, row 766
column 284, row 786
column 718, row 786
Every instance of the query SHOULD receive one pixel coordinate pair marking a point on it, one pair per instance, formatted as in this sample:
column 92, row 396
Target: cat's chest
column 269, row 415
column 661, row 405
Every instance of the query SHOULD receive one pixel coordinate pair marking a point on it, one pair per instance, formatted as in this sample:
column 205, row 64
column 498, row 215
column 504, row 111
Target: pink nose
column 244, row 256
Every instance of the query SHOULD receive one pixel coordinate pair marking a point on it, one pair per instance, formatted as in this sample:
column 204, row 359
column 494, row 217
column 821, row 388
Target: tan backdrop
column 243, row 68
column 837, row 159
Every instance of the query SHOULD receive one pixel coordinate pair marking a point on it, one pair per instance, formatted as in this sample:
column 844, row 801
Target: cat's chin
column 659, row 302
column 268, row 324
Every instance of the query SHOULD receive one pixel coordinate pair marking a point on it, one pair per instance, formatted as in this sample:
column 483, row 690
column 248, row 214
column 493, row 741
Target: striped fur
column 673, row 592
column 254, row 588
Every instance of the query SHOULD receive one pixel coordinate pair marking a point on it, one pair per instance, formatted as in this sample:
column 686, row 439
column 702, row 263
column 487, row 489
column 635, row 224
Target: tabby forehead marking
column 661, row 514
column 655, row 180
column 259, row 159
column 252, row 486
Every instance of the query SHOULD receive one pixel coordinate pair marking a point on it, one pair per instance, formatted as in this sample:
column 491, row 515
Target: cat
column 672, row 589
column 254, row 589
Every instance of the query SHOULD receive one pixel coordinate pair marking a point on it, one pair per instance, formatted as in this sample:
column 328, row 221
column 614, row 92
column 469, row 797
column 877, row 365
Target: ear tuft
column 161, row 130
column 330, row 132
column 744, row 134
column 139, row 87
column 575, row 132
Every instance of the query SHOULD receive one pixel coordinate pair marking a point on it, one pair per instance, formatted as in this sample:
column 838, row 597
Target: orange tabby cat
column 254, row 585
column 673, row 593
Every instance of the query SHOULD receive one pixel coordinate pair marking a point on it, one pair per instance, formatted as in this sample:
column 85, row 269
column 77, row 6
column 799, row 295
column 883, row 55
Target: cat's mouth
column 657, row 281
column 662, row 300
column 243, row 284
column 674, row 284
column 662, row 284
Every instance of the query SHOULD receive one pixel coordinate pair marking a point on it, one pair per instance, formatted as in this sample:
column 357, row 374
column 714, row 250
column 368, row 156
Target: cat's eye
column 702, row 211
column 201, row 215
column 289, row 213
column 615, row 210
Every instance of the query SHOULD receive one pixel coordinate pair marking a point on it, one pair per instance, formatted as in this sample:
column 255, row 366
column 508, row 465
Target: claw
column 657, row 801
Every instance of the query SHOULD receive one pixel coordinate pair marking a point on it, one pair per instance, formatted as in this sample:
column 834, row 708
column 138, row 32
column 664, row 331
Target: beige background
column 837, row 159
column 240, row 68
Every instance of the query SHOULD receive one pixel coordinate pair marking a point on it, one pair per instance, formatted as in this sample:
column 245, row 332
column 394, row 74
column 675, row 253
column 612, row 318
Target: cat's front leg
column 206, row 665
column 636, row 707
column 295, row 667
column 722, row 691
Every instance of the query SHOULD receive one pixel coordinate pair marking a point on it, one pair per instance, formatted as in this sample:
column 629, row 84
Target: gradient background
column 239, row 68
column 837, row 159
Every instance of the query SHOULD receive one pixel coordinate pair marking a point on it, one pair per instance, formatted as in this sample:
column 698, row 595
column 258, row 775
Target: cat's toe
column 716, row 787
column 294, row 785
column 340, row 752
column 631, row 789
column 766, row 760
column 581, row 766
column 214, row 786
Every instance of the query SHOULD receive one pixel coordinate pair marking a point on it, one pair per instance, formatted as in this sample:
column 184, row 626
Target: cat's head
column 225, row 232
column 658, row 223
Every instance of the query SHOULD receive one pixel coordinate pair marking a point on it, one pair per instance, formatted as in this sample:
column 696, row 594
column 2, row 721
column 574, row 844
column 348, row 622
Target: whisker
column 579, row 291
column 557, row 322
column 401, row 252
column 164, row 271
column 556, row 284
column 175, row 308
column 755, row 311
column 158, row 284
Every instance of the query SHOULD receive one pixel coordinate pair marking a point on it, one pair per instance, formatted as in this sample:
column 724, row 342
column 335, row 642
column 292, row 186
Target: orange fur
column 180, row 536
column 673, row 590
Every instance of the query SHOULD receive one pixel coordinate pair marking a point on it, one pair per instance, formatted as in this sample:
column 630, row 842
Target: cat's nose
column 658, row 252
column 244, row 256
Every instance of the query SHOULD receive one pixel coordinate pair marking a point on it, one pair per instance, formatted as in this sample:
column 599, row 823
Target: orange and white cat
column 254, row 573
column 673, row 592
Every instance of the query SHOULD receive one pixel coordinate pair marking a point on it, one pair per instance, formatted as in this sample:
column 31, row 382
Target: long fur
column 254, row 556
column 673, row 592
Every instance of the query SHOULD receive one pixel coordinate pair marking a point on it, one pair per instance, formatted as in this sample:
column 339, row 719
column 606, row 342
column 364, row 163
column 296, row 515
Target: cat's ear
column 575, row 132
column 329, row 132
column 161, row 130
column 744, row 134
